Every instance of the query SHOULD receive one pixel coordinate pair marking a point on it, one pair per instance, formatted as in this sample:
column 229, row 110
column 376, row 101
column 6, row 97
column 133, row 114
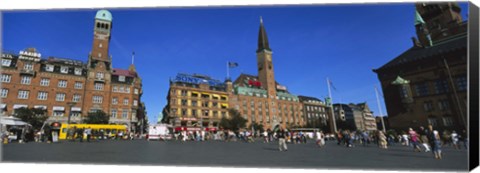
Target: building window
column 98, row 86
column 4, row 93
column 78, row 71
column 125, row 113
column 114, row 100
column 115, row 88
column 194, row 112
column 441, row 86
column 76, row 97
column 78, row 85
column 99, row 75
column 205, row 112
column 443, row 105
column 404, row 91
column 194, row 103
column 135, row 91
column 447, row 121
column 99, row 55
column 60, row 97
column 6, row 62
column 125, row 101
column 135, row 103
column 184, row 112
column 121, row 89
column 183, row 93
column 23, row 94
column 114, row 114
column 97, row 99
column 428, row 106
column 127, row 89
column 63, row 69
column 49, row 68
column 461, row 83
column 224, row 114
column 432, row 121
column 58, row 113
column 26, row 80
column 121, row 78
column 6, row 78
column 28, row 66
column 62, row 83
column 42, row 95
column 44, row 82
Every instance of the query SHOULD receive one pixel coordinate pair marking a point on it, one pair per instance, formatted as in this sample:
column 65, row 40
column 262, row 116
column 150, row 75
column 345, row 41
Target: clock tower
column 99, row 71
column 265, row 65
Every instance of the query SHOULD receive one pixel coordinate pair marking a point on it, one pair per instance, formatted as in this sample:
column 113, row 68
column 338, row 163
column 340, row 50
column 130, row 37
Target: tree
column 256, row 126
column 98, row 117
column 235, row 122
column 33, row 116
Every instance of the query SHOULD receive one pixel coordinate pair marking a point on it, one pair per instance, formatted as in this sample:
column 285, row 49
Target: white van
column 159, row 131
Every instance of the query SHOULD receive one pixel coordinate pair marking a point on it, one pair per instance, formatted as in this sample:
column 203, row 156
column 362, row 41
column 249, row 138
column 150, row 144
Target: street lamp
column 71, row 104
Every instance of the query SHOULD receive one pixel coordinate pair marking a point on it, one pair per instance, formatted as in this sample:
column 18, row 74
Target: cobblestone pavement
column 235, row 154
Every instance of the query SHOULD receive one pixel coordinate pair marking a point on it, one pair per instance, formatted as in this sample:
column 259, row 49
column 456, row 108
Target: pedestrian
column 339, row 137
column 80, row 133
column 423, row 137
column 455, row 139
column 281, row 135
column 414, row 138
column 464, row 139
column 88, row 132
column 265, row 137
column 437, row 145
column 405, row 139
column 382, row 140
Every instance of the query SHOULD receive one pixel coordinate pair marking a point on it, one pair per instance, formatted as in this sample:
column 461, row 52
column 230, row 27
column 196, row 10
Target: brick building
column 53, row 83
column 427, row 84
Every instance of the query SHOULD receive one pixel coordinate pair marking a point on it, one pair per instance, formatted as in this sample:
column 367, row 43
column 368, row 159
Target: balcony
column 27, row 72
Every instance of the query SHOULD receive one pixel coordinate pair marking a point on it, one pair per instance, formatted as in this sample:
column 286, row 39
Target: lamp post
column 71, row 104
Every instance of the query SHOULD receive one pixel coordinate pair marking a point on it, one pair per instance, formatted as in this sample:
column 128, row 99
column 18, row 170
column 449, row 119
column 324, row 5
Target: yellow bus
column 109, row 130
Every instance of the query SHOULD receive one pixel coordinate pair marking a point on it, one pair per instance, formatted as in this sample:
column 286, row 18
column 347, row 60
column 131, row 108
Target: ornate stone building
column 427, row 84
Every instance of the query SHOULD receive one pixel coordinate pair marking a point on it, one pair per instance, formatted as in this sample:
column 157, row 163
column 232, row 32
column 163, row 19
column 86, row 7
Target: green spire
column 418, row 18
column 400, row 81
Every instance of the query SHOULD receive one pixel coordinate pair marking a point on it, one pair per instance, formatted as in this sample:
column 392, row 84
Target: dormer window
column 49, row 68
column 78, row 71
column 6, row 62
column 121, row 78
column 63, row 69
column 99, row 75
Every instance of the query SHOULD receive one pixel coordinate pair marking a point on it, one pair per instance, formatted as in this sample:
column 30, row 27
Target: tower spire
column 262, row 38
column 133, row 57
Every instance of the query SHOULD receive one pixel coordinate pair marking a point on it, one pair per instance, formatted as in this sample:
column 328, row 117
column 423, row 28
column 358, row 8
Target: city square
column 236, row 154
column 209, row 75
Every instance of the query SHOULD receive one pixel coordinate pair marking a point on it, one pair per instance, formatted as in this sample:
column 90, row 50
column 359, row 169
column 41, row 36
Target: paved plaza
column 235, row 154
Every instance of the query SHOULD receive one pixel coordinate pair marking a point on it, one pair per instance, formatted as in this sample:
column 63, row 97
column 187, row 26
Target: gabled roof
column 418, row 53
column 122, row 72
column 304, row 98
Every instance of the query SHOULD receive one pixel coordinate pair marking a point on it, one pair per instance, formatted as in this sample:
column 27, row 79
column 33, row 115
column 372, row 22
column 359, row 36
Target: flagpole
column 331, row 107
column 380, row 110
column 228, row 72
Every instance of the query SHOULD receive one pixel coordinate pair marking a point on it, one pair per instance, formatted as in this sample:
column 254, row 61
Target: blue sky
column 309, row 43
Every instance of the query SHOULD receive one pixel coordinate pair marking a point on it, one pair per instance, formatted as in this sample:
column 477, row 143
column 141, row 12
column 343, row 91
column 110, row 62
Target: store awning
column 12, row 121
column 58, row 108
column 19, row 106
column 216, row 95
column 197, row 93
column 224, row 105
column 78, row 109
column 40, row 107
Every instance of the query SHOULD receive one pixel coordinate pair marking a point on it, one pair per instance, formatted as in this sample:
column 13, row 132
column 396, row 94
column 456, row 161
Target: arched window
column 106, row 26
column 98, row 25
column 103, row 25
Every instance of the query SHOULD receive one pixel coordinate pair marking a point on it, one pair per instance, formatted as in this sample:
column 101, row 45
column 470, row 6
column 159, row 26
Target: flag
column 331, row 84
column 232, row 64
